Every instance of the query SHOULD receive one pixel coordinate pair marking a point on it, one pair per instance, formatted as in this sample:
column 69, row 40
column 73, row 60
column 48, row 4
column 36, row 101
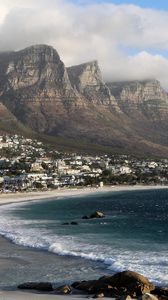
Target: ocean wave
column 152, row 264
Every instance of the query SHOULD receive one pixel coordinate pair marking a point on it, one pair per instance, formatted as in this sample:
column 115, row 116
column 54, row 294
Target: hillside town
column 29, row 165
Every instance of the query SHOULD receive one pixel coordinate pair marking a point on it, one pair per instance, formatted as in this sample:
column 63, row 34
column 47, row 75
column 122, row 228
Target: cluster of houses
column 27, row 165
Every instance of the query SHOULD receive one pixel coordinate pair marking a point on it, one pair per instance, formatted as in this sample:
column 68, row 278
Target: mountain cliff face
column 87, row 80
column 36, row 86
column 145, row 97
column 146, row 105
column 37, row 90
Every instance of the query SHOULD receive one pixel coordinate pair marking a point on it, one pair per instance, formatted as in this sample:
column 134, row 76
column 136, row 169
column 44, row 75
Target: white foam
column 152, row 264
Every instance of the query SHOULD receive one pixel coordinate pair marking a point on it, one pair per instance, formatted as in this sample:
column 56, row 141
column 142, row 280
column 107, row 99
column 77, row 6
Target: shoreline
column 18, row 295
column 11, row 198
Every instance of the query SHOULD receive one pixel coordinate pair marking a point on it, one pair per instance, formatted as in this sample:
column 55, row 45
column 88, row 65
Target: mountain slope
column 75, row 103
column 146, row 104
column 10, row 124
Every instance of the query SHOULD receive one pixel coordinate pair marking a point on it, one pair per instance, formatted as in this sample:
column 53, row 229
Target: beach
column 20, row 258
column 9, row 198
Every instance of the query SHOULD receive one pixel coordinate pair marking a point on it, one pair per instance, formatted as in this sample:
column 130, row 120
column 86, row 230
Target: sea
column 132, row 236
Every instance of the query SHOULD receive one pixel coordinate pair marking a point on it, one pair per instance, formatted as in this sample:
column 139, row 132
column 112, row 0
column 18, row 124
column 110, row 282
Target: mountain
column 75, row 104
column 87, row 81
column 146, row 104
column 10, row 124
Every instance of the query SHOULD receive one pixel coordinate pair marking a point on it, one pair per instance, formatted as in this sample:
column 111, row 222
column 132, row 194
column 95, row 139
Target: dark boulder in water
column 85, row 217
column 39, row 286
column 95, row 215
column 74, row 223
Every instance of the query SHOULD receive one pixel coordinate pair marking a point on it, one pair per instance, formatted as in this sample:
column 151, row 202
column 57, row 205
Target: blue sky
column 156, row 4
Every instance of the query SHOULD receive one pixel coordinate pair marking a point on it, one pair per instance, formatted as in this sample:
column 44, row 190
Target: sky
column 156, row 4
column 128, row 38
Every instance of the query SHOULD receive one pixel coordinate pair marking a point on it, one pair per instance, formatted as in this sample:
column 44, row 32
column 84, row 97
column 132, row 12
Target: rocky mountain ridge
column 75, row 102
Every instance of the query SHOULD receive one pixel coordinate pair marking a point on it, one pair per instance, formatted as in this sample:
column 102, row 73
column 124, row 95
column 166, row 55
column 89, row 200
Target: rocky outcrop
column 63, row 290
column 87, row 80
column 127, row 282
column 71, row 223
column 95, row 215
column 133, row 281
column 39, row 286
column 124, row 286
column 148, row 296
column 145, row 97
column 37, row 87
column 160, row 291
column 41, row 93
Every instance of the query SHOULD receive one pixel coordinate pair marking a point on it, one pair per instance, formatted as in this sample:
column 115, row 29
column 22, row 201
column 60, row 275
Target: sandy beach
column 9, row 198
column 8, row 261
column 15, row 295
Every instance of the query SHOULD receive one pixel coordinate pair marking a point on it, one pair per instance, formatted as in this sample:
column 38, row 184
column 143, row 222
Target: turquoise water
column 133, row 235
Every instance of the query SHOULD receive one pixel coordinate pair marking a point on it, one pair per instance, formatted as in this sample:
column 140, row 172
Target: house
column 125, row 170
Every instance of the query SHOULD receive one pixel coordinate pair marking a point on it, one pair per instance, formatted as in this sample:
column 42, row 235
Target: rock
column 96, row 286
column 77, row 283
column 148, row 296
column 85, row 217
column 132, row 281
column 93, row 286
column 90, row 286
column 64, row 289
column 87, row 80
column 40, row 286
column 99, row 295
column 160, row 291
column 125, row 298
column 97, row 214
column 74, row 223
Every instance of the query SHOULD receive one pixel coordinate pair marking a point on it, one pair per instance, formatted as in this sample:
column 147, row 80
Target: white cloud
column 98, row 31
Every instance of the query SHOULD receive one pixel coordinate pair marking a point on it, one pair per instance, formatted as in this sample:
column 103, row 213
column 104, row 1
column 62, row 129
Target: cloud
column 106, row 32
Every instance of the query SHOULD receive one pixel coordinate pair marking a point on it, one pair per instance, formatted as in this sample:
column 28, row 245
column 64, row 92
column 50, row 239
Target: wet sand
column 7, row 198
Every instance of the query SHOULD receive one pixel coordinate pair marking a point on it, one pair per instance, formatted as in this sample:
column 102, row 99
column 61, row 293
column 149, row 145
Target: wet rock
column 90, row 286
column 160, row 291
column 134, row 282
column 125, row 297
column 74, row 223
column 96, row 286
column 85, row 217
column 148, row 296
column 99, row 295
column 97, row 214
column 63, row 290
column 77, row 283
column 40, row 286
